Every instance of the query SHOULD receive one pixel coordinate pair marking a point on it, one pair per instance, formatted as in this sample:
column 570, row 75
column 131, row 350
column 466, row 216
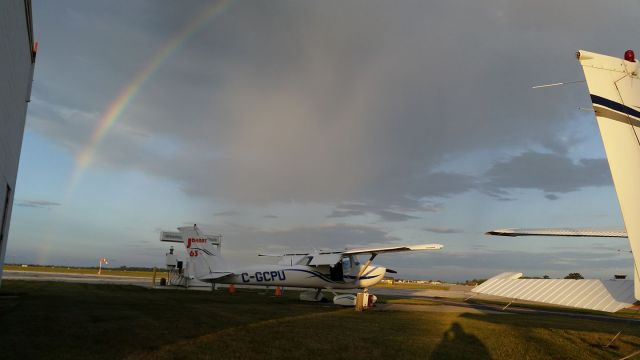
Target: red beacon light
column 629, row 56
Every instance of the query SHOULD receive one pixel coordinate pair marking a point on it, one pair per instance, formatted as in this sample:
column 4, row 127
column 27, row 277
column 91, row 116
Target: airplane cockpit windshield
column 346, row 264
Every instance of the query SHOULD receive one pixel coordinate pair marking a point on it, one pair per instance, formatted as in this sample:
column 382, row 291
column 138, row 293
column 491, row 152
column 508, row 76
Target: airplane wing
column 282, row 254
column 601, row 295
column 370, row 250
column 617, row 233
column 388, row 249
column 330, row 257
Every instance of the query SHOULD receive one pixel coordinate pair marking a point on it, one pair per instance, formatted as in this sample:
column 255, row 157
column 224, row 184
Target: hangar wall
column 17, row 59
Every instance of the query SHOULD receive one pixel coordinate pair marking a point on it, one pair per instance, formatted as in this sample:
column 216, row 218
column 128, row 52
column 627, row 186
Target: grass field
column 51, row 320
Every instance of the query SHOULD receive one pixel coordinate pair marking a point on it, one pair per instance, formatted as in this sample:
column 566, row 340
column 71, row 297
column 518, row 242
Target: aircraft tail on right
column 614, row 87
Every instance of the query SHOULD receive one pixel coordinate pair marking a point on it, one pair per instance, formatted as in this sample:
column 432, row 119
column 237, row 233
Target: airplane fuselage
column 303, row 276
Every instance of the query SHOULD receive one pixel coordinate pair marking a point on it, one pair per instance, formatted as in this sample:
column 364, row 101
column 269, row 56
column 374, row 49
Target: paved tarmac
column 73, row 277
column 454, row 292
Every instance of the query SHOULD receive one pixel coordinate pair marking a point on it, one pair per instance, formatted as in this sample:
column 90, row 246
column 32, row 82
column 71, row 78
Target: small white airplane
column 614, row 87
column 317, row 270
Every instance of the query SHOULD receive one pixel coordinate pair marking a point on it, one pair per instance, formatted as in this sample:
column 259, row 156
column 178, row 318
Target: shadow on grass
column 456, row 339
column 571, row 332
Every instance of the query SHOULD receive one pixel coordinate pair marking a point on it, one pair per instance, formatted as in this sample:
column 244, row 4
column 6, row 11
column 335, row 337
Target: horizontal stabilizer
column 170, row 236
column 592, row 294
column 617, row 233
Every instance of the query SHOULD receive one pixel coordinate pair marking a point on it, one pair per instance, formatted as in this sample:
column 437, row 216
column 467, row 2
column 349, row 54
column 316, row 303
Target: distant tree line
column 123, row 268
column 472, row 282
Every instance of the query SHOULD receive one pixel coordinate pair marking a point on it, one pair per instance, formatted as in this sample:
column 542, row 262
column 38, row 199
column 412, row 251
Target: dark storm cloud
column 441, row 184
column 551, row 197
column 441, row 230
column 37, row 203
column 327, row 102
column 336, row 236
column 546, row 172
column 390, row 215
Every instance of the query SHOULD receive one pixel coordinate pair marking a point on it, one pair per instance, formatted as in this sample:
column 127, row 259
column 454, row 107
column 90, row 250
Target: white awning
column 601, row 295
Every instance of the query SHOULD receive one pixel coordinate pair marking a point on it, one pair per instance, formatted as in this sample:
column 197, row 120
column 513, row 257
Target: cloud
column 42, row 204
column 332, row 236
column 227, row 213
column 391, row 214
column 482, row 263
column 441, row 230
column 548, row 172
column 363, row 110
column 551, row 196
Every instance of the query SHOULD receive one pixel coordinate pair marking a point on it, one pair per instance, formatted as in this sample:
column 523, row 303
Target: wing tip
column 502, row 232
column 426, row 247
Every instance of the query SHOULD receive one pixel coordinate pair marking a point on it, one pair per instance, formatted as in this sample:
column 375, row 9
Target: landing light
column 629, row 56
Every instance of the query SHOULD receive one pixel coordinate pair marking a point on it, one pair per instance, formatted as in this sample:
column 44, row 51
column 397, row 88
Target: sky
column 301, row 125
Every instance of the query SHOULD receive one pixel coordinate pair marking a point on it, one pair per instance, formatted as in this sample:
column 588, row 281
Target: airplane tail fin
column 204, row 260
column 614, row 87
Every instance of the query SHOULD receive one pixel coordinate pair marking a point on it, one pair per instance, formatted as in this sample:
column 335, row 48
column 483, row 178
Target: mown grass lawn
column 42, row 320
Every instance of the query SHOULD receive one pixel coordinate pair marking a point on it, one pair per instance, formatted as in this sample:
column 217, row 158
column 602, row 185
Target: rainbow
column 115, row 109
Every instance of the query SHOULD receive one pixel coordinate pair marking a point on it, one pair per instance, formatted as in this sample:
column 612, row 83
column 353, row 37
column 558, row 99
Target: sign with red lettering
column 196, row 241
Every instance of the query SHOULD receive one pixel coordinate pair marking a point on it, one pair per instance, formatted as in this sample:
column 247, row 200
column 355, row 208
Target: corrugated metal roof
column 602, row 295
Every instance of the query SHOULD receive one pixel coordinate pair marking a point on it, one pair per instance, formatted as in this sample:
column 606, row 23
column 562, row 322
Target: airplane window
column 346, row 263
column 306, row 260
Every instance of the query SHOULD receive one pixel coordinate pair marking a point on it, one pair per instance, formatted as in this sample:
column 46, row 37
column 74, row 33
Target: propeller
column 391, row 271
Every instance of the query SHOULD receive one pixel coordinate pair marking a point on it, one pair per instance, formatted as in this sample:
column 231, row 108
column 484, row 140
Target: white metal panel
column 16, row 75
column 602, row 295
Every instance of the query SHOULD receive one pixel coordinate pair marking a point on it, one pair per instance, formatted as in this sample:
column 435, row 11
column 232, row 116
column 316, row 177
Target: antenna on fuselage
column 557, row 84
